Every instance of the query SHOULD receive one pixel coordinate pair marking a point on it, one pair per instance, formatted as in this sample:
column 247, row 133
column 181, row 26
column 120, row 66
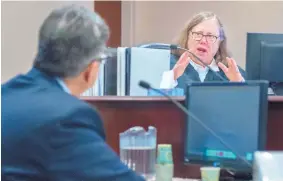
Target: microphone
column 175, row 47
column 147, row 86
column 112, row 52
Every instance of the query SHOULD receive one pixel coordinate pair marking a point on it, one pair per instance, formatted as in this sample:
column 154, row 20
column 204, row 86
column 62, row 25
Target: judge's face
column 203, row 40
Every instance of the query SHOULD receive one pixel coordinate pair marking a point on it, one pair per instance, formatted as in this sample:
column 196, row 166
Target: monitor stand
column 277, row 88
column 233, row 175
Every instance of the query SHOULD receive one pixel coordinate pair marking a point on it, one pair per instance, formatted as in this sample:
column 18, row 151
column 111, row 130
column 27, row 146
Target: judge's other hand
column 181, row 65
column 232, row 71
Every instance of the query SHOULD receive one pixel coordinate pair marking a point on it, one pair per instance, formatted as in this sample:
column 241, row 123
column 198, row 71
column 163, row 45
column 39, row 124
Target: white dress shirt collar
column 200, row 68
column 63, row 85
column 202, row 71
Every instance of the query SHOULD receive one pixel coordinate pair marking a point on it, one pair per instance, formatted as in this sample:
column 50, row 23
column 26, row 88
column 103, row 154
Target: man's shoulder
column 48, row 103
column 41, row 95
column 76, row 111
column 78, row 107
column 69, row 106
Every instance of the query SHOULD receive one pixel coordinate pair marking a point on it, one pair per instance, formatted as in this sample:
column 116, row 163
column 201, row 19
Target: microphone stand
column 196, row 57
column 226, row 174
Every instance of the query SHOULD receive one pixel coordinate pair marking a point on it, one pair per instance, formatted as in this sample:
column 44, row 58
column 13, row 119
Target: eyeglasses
column 110, row 53
column 209, row 38
column 103, row 59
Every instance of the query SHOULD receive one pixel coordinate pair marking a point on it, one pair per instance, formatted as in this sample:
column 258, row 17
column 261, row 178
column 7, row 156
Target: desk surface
column 185, row 179
column 153, row 98
column 122, row 112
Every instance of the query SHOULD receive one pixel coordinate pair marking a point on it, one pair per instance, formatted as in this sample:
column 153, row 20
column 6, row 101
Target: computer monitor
column 264, row 57
column 236, row 112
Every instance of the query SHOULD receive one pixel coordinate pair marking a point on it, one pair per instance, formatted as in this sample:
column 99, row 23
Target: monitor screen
column 271, row 61
column 264, row 56
column 235, row 112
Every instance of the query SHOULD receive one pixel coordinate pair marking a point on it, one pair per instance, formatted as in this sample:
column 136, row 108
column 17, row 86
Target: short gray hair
column 70, row 38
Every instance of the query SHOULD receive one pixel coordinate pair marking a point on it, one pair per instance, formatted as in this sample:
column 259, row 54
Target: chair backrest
column 152, row 57
column 155, row 46
column 111, row 85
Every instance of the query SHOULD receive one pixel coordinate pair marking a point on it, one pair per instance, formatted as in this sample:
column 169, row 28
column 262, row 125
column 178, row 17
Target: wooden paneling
column 121, row 113
column 111, row 12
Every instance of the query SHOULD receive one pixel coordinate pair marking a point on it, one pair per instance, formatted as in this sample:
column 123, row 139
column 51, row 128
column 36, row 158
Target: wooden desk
column 121, row 113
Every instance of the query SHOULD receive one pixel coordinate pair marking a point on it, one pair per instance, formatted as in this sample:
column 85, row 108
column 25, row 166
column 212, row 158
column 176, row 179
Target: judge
column 204, row 36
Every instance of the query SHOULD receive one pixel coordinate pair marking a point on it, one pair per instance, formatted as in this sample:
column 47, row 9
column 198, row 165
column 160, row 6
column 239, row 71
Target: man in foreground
column 47, row 132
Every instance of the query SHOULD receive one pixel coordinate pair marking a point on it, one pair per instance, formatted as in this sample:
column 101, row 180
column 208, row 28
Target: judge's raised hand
column 232, row 71
column 181, row 65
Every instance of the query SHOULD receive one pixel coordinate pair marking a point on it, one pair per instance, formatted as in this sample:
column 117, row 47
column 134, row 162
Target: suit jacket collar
column 42, row 78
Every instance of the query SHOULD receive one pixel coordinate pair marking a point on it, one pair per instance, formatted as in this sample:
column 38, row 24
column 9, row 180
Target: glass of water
column 138, row 150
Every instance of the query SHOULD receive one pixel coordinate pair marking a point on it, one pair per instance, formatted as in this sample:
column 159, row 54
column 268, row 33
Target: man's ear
column 91, row 73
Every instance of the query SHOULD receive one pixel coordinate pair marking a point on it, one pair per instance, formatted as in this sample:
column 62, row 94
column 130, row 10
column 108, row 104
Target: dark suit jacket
column 191, row 75
column 48, row 134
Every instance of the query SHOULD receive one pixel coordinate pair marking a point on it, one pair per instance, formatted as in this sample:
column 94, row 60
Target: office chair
column 155, row 46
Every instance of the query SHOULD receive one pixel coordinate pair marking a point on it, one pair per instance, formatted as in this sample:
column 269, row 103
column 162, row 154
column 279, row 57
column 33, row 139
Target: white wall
column 161, row 21
column 143, row 21
column 20, row 23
